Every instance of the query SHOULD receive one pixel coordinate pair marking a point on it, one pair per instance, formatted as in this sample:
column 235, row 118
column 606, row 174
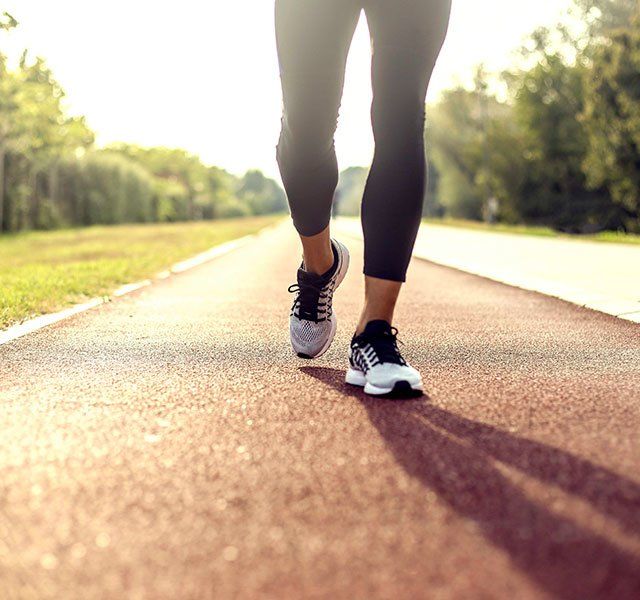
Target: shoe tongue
column 377, row 327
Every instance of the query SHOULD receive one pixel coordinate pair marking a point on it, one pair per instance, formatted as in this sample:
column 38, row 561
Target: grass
column 41, row 272
column 603, row 236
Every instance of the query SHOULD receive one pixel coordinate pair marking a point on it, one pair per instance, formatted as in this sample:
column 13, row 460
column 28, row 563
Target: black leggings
column 313, row 38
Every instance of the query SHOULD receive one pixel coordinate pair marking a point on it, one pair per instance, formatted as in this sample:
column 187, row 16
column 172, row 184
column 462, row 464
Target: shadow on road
column 458, row 459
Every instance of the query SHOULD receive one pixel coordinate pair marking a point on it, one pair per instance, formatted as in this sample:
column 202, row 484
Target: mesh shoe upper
column 309, row 337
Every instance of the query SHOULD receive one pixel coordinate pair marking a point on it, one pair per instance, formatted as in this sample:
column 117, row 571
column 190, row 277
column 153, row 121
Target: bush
column 105, row 188
column 232, row 207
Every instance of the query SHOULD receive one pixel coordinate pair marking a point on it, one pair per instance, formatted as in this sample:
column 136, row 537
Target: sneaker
column 377, row 365
column 312, row 324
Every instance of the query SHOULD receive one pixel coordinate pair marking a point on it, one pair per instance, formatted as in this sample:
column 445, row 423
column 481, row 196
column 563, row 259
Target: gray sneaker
column 312, row 324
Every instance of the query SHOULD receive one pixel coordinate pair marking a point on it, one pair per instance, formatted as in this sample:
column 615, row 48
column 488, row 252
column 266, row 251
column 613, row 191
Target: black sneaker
column 377, row 365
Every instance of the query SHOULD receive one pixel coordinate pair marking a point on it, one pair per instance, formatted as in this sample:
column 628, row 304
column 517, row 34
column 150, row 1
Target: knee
column 398, row 119
column 309, row 121
column 307, row 133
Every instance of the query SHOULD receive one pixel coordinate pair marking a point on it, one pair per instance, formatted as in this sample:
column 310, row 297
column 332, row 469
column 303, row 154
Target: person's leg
column 313, row 39
column 407, row 36
column 380, row 298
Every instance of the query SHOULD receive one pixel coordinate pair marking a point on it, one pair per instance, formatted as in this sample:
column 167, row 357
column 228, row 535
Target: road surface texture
column 169, row 445
column 604, row 276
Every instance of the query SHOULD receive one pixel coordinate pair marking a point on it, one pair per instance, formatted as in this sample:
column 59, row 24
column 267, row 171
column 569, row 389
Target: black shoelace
column 309, row 303
column 382, row 347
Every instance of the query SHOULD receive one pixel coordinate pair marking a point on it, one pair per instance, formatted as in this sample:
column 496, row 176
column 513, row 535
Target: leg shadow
column 610, row 493
column 455, row 458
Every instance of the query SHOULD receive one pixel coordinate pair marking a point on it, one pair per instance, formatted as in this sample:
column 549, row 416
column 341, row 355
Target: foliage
column 350, row 190
column 604, row 16
column 561, row 149
column 260, row 194
column 455, row 130
column 51, row 175
column 549, row 100
column 612, row 120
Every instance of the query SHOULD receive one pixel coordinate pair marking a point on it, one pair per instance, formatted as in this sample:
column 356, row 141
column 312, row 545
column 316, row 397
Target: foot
column 312, row 324
column 377, row 365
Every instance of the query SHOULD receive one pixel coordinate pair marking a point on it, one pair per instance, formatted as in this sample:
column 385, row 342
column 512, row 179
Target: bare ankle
column 381, row 296
column 317, row 252
column 318, row 262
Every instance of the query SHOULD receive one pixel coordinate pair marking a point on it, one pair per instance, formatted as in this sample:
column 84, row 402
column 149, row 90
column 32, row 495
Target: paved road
column 167, row 445
column 602, row 276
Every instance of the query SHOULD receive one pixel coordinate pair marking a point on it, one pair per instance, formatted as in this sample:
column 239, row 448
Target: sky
column 203, row 74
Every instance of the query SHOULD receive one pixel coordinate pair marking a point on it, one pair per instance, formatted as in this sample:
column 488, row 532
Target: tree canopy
column 52, row 175
column 560, row 145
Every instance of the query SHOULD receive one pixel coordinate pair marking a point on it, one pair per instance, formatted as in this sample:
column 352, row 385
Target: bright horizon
column 205, row 77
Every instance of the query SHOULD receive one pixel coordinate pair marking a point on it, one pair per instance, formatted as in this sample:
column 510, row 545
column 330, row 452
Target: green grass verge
column 603, row 236
column 41, row 272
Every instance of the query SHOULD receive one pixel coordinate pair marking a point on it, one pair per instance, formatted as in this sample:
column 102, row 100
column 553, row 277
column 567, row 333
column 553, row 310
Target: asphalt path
column 170, row 445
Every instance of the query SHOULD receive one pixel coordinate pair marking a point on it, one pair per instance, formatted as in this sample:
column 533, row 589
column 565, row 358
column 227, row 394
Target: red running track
column 169, row 445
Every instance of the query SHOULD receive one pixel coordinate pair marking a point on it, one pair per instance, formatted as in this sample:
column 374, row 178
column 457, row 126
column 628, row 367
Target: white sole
column 342, row 272
column 355, row 377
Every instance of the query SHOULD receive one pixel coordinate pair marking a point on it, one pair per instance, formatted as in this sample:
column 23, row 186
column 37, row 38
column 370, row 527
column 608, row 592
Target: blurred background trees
column 51, row 174
column 555, row 141
column 612, row 122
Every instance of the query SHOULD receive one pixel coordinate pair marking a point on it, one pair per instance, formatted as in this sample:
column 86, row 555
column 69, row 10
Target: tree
column 51, row 176
column 465, row 135
column 188, row 189
column 261, row 194
column 612, row 120
column 178, row 169
column 605, row 16
column 7, row 109
column 454, row 130
column 350, row 190
column 52, row 134
column 548, row 100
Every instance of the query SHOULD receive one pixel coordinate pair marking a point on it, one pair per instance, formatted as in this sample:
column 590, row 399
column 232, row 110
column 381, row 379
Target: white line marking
column 44, row 320
column 131, row 287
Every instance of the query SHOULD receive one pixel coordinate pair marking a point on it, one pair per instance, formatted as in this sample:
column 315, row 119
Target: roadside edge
column 31, row 325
